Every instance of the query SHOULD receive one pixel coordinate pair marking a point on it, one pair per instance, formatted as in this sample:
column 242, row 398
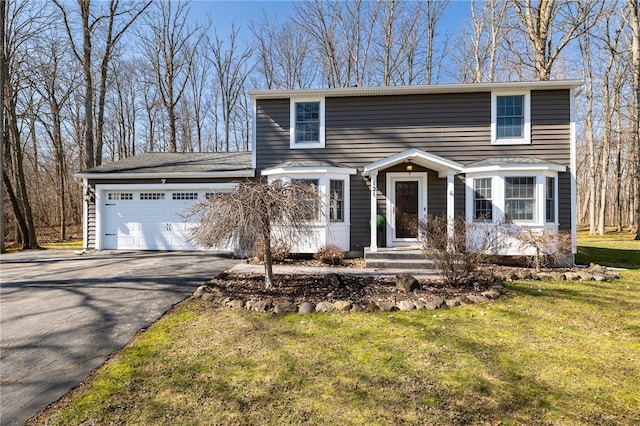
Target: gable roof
column 176, row 165
column 415, row 90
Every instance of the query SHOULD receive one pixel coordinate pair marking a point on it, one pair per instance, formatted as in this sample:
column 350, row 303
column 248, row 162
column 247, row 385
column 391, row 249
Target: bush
column 550, row 247
column 457, row 257
column 330, row 255
column 280, row 250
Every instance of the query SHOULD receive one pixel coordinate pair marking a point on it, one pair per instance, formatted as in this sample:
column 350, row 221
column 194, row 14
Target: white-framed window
column 510, row 118
column 120, row 196
column 307, row 123
column 550, row 199
column 482, row 196
column 519, row 198
column 336, row 200
column 148, row 196
column 314, row 184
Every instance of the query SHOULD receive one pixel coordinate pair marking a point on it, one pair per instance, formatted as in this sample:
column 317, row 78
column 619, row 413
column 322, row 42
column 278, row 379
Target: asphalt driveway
column 62, row 314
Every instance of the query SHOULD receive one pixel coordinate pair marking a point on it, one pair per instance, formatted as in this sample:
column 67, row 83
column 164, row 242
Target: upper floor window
column 510, row 118
column 307, row 123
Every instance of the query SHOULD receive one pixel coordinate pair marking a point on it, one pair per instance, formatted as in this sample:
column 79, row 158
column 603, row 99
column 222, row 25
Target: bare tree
column 90, row 22
column 3, row 76
column 634, row 22
column 257, row 212
column 232, row 70
column 55, row 81
column 170, row 46
column 547, row 19
column 434, row 9
column 284, row 55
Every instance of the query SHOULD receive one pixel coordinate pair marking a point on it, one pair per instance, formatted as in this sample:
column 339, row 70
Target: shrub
column 458, row 256
column 330, row 255
column 280, row 250
column 550, row 247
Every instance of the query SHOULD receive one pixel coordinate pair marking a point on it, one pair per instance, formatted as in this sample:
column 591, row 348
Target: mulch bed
column 359, row 289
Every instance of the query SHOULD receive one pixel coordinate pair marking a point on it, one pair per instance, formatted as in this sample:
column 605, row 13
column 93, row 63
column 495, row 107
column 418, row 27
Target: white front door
column 406, row 207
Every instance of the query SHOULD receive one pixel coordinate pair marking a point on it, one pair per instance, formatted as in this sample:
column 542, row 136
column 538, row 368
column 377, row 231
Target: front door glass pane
column 406, row 209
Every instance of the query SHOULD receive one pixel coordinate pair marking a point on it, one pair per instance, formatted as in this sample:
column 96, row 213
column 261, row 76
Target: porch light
column 409, row 167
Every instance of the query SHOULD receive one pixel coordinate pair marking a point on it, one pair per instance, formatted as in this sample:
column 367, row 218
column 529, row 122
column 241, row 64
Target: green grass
column 65, row 245
column 545, row 353
column 612, row 249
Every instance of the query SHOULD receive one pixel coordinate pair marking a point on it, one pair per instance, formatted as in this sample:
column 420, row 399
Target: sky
column 242, row 12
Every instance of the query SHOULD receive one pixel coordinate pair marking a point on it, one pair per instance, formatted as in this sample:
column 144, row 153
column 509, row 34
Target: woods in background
column 86, row 82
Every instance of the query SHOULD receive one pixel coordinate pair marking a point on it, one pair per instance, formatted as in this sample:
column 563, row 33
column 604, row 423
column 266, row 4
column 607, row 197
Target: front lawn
column 545, row 353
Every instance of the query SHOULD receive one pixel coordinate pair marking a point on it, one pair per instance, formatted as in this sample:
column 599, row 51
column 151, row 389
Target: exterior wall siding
column 361, row 130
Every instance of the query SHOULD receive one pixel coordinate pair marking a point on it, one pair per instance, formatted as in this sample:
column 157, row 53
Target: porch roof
column 430, row 161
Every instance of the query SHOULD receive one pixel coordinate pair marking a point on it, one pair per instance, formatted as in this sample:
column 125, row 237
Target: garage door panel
column 149, row 219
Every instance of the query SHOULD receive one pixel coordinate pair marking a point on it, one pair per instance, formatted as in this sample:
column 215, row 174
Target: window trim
column 535, row 196
column 490, row 199
column 341, row 200
column 498, row 182
column 554, row 199
column 526, row 137
column 292, row 124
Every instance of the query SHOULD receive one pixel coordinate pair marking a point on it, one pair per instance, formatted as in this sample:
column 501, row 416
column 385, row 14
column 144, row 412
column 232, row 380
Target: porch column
column 374, row 211
column 450, row 205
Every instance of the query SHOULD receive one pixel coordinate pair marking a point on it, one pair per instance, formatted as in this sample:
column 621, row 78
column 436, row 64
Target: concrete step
column 395, row 255
column 408, row 264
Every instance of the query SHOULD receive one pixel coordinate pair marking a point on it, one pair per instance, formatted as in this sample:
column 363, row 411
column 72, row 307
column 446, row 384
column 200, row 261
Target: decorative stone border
column 404, row 282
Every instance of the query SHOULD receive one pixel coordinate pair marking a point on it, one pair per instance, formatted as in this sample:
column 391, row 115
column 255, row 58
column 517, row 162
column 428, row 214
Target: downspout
column 85, row 214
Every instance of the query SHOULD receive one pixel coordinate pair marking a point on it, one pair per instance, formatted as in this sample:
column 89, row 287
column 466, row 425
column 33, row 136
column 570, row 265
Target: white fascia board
column 418, row 89
column 172, row 175
column 435, row 162
column 165, row 186
column 308, row 170
column 516, row 168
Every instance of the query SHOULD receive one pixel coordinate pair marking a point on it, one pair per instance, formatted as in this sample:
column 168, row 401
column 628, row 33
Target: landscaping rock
column 342, row 305
column 490, row 294
column 306, row 308
column 571, row 276
column 406, row 305
column 585, row 276
column 263, row 305
column 208, row 297
column 333, row 280
column 452, row 303
column 235, row 304
column 199, row 292
column 371, row 307
column 436, row 303
column 598, row 277
column 476, row 298
column 544, row 276
column 597, row 269
column 558, row 276
column 419, row 305
column 357, row 308
column 387, row 306
column 284, row 307
column 524, row 274
column 407, row 283
column 324, row 307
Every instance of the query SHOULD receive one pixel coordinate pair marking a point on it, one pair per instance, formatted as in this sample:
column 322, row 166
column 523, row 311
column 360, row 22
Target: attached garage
column 140, row 203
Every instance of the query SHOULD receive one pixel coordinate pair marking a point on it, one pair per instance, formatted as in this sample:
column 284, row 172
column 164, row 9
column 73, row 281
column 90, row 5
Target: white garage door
column 147, row 219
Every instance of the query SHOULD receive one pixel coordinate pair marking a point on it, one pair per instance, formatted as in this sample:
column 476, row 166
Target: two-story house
column 383, row 158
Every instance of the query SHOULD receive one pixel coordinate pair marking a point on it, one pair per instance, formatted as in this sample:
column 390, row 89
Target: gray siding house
column 384, row 158
column 483, row 151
